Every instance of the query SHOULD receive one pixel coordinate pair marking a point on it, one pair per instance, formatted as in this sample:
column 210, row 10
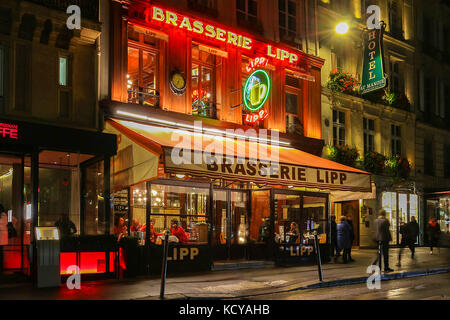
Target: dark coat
column 412, row 231
column 343, row 236
column 433, row 231
column 382, row 232
column 352, row 230
column 333, row 232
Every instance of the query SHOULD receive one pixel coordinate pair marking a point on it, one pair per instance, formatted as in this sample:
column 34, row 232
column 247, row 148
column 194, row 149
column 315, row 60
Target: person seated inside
column 135, row 225
column 153, row 233
column 66, row 226
column 293, row 233
column 178, row 232
column 120, row 228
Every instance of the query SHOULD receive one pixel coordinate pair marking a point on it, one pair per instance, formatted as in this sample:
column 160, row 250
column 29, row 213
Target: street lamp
column 342, row 28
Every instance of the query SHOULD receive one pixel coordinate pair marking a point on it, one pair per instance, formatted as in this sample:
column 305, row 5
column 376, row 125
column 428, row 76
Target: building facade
column 247, row 68
column 389, row 122
column 52, row 155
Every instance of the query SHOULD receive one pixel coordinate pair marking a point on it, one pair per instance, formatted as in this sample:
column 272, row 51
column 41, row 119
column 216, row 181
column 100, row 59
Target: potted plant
column 342, row 82
column 374, row 162
column 344, row 154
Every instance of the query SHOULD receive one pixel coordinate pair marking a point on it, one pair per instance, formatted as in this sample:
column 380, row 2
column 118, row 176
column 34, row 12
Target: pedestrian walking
column 333, row 236
column 412, row 232
column 403, row 242
column 383, row 237
column 352, row 237
column 343, row 238
column 434, row 232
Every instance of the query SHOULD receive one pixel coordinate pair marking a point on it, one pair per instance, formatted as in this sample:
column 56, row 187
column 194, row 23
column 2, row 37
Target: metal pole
column 164, row 265
column 379, row 254
column 319, row 260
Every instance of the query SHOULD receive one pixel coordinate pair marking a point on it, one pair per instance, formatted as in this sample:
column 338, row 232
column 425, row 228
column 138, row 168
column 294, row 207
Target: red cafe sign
column 9, row 131
column 163, row 17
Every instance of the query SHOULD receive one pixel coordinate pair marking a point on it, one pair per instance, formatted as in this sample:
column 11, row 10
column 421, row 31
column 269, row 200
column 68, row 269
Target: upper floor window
column 142, row 74
column 293, row 105
column 369, row 135
column 395, row 19
column 210, row 4
column 247, row 11
column 429, row 94
column 395, row 77
column 428, row 157
column 287, row 18
column 396, row 139
column 203, row 89
column 338, row 128
column 2, row 69
column 64, row 88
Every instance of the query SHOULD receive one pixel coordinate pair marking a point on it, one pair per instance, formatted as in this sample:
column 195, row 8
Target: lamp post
column 342, row 28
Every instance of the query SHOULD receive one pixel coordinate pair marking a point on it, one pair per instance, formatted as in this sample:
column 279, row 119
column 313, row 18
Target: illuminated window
column 203, row 82
column 338, row 128
column 287, row 18
column 64, row 88
column 142, row 74
column 369, row 135
column 247, row 11
column 396, row 139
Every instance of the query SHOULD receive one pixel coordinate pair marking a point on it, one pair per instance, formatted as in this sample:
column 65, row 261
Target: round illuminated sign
column 256, row 90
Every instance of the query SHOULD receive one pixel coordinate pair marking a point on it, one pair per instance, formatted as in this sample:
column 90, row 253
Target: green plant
column 343, row 154
column 374, row 162
column 342, row 82
column 398, row 167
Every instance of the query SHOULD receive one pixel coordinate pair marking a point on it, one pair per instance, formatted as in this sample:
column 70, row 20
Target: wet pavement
column 433, row 287
column 233, row 283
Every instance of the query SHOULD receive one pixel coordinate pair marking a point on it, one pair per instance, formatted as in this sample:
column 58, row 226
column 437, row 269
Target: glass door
column 15, row 214
column 231, row 224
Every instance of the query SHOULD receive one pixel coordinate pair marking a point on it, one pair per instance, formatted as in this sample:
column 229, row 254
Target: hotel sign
column 373, row 73
column 261, row 171
column 9, row 131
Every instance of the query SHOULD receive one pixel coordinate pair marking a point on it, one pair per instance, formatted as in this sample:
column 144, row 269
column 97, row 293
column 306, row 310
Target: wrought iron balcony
column 89, row 8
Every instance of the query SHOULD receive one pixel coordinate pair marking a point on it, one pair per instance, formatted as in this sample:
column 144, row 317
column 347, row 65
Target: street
column 435, row 287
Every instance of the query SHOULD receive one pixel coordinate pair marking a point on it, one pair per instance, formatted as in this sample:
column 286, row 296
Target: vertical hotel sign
column 373, row 73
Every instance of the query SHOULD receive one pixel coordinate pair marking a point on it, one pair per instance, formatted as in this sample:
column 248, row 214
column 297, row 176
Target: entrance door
column 231, row 224
column 15, row 223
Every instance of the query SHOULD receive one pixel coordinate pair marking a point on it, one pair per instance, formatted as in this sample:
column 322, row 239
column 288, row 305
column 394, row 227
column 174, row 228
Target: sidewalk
column 235, row 284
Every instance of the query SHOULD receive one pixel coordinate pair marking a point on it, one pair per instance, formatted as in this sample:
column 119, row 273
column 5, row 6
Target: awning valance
column 216, row 156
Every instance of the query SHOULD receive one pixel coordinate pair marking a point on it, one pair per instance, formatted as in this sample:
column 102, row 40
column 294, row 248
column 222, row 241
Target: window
column 203, row 82
column 94, row 200
column 64, row 88
column 293, row 104
column 186, row 205
column 142, row 75
column 369, row 135
column 447, row 162
column 287, row 18
column 247, row 11
column 428, row 158
column 395, row 19
column 338, row 128
column 210, row 4
column 429, row 94
column 395, row 77
column 22, row 77
column 396, row 140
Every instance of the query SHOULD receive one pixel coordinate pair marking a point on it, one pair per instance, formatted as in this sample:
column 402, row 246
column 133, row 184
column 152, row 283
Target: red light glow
column 254, row 117
column 90, row 262
column 10, row 131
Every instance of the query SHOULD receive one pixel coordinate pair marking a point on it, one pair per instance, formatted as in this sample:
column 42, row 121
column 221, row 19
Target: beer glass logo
column 256, row 90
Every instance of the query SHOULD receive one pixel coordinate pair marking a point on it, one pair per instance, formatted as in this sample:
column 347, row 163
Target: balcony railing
column 89, row 8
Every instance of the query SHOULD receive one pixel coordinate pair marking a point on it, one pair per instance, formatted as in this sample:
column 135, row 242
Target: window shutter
column 442, row 99
column 422, row 91
column 437, row 100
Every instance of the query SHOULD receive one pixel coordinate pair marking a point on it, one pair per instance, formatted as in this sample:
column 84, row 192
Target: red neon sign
column 9, row 131
column 251, row 118
column 259, row 62
column 168, row 18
